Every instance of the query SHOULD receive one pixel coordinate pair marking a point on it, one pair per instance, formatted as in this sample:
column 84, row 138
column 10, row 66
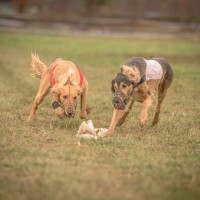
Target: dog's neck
column 53, row 81
column 142, row 80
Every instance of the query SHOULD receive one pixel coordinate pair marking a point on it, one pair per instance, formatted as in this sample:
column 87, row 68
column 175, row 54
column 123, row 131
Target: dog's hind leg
column 42, row 92
column 145, row 107
column 162, row 91
column 83, row 113
column 162, row 87
column 121, row 121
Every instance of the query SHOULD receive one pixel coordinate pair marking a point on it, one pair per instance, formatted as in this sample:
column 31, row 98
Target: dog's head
column 122, row 88
column 68, row 90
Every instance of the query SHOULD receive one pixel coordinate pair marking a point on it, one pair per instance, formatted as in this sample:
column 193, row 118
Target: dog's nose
column 118, row 104
column 116, row 100
column 70, row 111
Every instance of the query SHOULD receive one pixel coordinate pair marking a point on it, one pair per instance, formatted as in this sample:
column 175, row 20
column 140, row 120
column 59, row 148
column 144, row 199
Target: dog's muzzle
column 118, row 103
column 120, row 100
column 70, row 112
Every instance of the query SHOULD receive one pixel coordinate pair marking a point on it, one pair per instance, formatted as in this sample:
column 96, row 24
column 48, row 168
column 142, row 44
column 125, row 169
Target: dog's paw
column 155, row 122
column 88, row 110
column 107, row 134
column 59, row 112
column 142, row 124
column 104, row 135
column 29, row 119
column 83, row 116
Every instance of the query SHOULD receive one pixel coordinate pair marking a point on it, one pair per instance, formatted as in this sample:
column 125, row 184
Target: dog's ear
column 132, row 73
column 55, row 89
column 112, row 86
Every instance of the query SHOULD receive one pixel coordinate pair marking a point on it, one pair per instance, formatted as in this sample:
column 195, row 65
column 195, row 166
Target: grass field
column 41, row 159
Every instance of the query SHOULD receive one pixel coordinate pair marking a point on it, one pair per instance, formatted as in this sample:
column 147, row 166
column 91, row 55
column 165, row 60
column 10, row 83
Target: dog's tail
column 37, row 66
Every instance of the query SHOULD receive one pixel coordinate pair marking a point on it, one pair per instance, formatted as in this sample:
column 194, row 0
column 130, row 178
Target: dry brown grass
column 41, row 160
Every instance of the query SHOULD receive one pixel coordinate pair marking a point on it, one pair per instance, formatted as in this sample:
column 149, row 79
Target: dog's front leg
column 83, row 113
column 145, row 108
column 117, row 115
column 59, row 111
column 129, row 108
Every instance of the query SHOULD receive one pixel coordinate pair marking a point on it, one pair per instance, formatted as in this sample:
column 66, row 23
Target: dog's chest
column 153, row 70
column 141, row 92
column 137, row 97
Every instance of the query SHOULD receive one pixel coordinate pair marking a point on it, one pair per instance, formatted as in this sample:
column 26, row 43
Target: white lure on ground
column 86, row 130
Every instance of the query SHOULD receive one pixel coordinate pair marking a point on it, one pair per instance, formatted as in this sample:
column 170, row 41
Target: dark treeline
column 171, row 10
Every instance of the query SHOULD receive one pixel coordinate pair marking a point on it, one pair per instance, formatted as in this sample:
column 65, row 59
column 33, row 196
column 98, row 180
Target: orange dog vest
column 52, row 80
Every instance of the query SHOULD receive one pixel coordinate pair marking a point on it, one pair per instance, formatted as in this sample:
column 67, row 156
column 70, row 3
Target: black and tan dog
column 139, row 78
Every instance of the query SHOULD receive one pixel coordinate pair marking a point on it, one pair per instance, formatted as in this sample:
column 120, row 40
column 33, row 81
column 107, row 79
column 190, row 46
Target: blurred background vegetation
column 169, row 16
column 175, row 10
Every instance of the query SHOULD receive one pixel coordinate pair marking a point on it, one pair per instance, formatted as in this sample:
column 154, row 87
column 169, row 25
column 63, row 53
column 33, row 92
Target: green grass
column 41, row 159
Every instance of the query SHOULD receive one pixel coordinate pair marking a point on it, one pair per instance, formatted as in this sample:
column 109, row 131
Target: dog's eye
column 123, row 86
column 75, row 98
column 65, row 97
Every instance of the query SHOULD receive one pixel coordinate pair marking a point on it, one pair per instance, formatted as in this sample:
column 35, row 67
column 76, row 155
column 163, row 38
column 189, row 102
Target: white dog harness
column 153, row 70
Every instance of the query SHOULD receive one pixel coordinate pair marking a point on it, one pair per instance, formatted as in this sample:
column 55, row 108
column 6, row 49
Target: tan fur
column 133, row 73
column 142, row 93
column 37, row 67
column 67, row 84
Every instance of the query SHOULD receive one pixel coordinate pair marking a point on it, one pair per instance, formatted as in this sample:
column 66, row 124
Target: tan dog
column 66, row 83
column 138, row 80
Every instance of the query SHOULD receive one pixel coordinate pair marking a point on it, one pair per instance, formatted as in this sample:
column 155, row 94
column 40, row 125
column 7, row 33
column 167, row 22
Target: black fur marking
column 137, row 62
column 122, row 78
column 142, row 80
column 55, row 105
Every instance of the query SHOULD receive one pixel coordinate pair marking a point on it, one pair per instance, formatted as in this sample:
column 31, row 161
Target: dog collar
column 52, row 80
column 81, row 77
column 142, row 80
